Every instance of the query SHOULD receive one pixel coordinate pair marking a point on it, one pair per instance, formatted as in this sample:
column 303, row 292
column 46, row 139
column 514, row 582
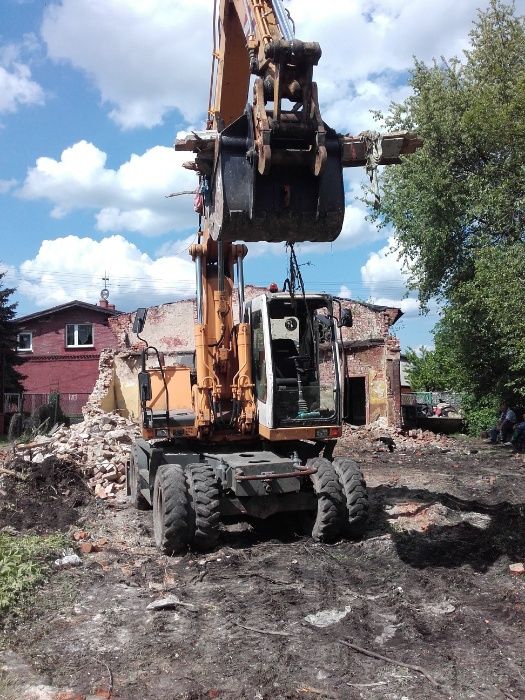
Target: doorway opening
column 355, row 400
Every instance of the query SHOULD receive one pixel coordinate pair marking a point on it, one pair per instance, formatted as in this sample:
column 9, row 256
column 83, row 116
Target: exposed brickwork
column 168, row 327
column 370, row 351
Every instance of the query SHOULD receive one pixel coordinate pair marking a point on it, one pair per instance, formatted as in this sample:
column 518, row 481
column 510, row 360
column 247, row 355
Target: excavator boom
column 272, row 171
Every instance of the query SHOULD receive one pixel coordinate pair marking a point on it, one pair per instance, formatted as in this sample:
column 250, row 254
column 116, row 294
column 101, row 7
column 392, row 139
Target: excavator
column 248, row 430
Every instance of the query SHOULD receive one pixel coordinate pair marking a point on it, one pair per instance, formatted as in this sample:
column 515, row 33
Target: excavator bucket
column 290, row 203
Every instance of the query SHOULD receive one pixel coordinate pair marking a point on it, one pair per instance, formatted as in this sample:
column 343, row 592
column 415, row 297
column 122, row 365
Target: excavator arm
column 257, row 37
column 270, row 169
column 246, row 28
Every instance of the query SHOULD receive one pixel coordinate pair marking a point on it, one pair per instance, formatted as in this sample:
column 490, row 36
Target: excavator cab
column 295, row 362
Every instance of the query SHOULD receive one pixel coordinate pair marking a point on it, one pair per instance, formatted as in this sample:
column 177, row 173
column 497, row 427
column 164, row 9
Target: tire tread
column 330, row 501
column 356, row 496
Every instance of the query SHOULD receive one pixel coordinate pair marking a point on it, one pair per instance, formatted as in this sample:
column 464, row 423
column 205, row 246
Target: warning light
column 273, row 287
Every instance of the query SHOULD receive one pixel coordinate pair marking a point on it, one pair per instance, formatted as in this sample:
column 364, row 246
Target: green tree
column 458, row 208
column 9, row 360
column 465, row 188
column 428, row 370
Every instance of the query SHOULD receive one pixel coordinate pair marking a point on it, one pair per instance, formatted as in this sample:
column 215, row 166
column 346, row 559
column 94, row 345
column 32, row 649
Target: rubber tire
column 171, row 512
column 356, row 496
column 137, row 499
column 329, row 520
column 204, row 506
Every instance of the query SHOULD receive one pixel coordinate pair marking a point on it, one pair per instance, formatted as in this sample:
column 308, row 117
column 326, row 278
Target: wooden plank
column 394, row 145
column 195, row 140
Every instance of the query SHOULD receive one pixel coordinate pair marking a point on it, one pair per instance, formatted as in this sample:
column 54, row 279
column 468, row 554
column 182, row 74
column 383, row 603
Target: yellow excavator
column 248, row 430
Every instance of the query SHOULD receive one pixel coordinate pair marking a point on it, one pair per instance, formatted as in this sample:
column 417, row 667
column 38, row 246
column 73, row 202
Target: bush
column 44, row 417
column 16, row 426
column 24, row 563
column 480, row 416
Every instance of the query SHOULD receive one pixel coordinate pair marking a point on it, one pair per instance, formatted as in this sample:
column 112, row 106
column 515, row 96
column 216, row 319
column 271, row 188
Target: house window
column 79, row 335
column 24, row 341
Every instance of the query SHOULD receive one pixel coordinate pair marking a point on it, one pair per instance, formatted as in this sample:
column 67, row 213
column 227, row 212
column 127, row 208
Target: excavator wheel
column 204, row 506
column 355, row 494
column 329, row 521
column 134, row 483
column 171, row 510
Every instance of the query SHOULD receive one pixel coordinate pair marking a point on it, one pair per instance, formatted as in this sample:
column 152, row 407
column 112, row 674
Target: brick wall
column 51, row 366
column 49, row 332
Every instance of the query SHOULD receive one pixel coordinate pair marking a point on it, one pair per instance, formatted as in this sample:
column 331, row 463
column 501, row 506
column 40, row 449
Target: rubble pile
column 98, row 447
column 387, row 437
column 106, row 371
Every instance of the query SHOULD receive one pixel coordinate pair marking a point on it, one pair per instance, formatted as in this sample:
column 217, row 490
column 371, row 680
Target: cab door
column 262, row 360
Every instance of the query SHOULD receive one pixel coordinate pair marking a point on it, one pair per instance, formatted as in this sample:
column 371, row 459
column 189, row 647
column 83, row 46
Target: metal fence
column 431, row 398
column 71, row 404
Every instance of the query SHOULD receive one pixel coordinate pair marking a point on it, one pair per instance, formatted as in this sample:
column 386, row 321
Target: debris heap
column 379, row 433
column 98, row 447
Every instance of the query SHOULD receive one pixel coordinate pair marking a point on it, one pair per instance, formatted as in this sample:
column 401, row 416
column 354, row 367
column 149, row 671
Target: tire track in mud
column 440, row 597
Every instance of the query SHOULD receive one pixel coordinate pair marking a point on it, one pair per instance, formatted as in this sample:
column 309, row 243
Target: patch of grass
column 24, row 563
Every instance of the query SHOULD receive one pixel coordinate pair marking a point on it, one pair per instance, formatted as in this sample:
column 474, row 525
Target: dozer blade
column 289, row 203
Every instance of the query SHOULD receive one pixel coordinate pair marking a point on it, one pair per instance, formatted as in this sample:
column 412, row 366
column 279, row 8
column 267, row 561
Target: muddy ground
column 429, row 586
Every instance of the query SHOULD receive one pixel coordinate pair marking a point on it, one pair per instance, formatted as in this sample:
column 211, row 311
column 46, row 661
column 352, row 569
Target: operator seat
column 283, row 349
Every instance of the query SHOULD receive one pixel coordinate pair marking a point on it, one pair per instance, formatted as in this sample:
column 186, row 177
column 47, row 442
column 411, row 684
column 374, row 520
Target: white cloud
column 145, row 58
column 17, row 88
column 9, row 274
column 385, row 276
column 383, row 269
column 131, row 198
column 72, row 268
column 409, row 306
column 344, row 292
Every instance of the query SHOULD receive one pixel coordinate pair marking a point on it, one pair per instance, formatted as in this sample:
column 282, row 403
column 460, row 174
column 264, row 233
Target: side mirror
column 346, row 319
column 144, row 387
column 323, row 320
column 140, row 320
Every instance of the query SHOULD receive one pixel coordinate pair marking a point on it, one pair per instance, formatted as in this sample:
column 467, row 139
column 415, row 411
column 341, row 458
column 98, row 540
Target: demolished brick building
column 370, row 365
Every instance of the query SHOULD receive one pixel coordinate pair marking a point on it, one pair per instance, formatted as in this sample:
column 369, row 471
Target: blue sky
column 92, row 95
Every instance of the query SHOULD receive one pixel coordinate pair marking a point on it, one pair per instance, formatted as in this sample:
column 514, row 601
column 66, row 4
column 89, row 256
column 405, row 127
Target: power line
column 66, row 276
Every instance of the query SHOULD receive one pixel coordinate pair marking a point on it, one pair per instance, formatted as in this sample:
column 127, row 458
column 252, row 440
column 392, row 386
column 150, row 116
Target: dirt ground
column 265, row 618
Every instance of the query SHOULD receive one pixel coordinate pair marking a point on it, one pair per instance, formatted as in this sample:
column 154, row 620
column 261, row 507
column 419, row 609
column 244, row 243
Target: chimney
column 104, row 304
column 104, row 295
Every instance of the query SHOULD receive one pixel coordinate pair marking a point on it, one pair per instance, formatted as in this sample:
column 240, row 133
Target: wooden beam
column 353, row 148
column 394, row 145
